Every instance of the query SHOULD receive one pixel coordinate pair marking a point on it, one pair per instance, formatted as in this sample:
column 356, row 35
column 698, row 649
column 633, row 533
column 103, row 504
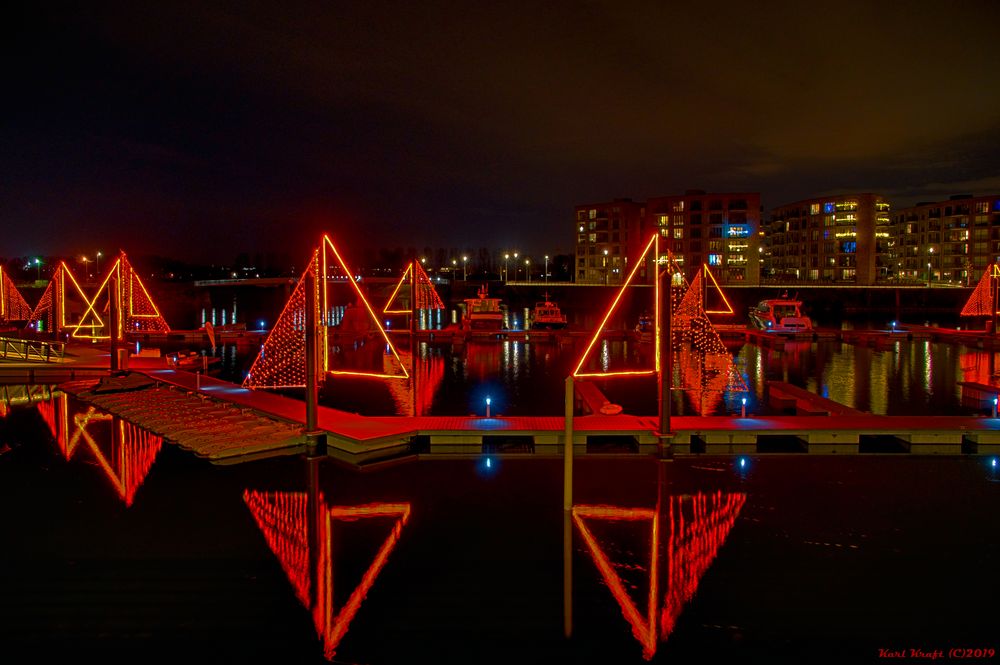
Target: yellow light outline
column 399, row 285
column 371, row 312
column 611, row 309
column 719, row 289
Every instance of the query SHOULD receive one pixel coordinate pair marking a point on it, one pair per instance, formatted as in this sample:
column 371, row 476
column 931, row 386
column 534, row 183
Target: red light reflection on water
column 123, row 451
column 283, row 518
column 698, row 526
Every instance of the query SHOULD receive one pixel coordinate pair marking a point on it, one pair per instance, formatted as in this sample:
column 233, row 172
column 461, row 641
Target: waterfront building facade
column 607, row 234
column 832, row 239
column 948, row 241
column 717, row 229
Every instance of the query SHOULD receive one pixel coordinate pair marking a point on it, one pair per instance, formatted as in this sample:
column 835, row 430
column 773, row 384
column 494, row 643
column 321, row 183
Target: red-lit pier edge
column 362, row 440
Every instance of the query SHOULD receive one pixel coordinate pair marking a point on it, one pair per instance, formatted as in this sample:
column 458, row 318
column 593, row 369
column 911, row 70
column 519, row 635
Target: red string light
column 980, row 302
column 13, row 306
column 698, row 526
column 282, row 518
column 427, row 296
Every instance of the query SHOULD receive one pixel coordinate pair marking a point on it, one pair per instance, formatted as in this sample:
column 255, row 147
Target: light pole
column 99, row 263
column 506, row 269
column 546, row 268
column 527, row 270
column 454, row 267
column 515, row 266
column 38, row 265
column 930, row 260
column 465, row 263
column 86, row 266
column 605, row 267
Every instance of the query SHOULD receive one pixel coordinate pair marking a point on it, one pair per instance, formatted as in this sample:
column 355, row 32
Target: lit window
column 738, row 231
column 814, row 209
column 849, row 246
column 715, row 259
column 678, row 233
column 827, row 208
column 593, row 213
column 679, row 206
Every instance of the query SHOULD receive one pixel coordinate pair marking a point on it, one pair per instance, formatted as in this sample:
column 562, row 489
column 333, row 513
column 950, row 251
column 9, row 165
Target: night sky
column 199, row 130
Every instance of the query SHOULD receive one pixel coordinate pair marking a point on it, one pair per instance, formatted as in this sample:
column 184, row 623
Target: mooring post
column 315, row 439
column 666, row 360
column 114, row 309
column 568, row 448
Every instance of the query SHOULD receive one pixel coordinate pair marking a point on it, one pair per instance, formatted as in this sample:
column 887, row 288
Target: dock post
column 567, row 574
column 114, row 306
column 666, row 373
column 568, row 448
column 315, row 440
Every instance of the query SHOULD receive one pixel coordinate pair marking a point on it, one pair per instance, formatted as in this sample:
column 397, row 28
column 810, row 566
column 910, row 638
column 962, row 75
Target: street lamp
column 99, row 255
column 515, row 266
column 465, row 263
column 527, row 270
column 86, row 266
column 38, row 264
column 605, row 267
column 506, row 270
column 546, row 268
column 454, row 267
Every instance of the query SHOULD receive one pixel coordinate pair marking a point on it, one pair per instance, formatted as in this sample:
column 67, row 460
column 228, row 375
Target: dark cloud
column 205, row 129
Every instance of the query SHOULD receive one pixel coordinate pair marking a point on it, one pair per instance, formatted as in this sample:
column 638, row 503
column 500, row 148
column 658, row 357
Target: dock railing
column 31, row 350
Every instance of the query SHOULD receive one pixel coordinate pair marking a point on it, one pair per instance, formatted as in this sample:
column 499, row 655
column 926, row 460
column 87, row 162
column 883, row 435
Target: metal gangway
column 13, row 349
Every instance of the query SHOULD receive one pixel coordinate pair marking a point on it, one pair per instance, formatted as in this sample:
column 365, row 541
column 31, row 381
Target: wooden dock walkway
column 223, row 421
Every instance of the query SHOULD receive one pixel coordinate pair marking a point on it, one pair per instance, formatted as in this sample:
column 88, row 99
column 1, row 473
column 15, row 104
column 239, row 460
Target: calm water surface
column 526, row 378
column 120, row 545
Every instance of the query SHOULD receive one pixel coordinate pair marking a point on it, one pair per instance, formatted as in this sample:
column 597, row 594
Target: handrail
column 31, row 350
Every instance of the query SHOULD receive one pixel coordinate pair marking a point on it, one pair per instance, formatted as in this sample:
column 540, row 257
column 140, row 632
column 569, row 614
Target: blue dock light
column 893, row 324
column 743, row 410
column 262, row 324
column 488, row 402
column 994, row 407
column 993, row 462
column 489, row 463
column 743, row 462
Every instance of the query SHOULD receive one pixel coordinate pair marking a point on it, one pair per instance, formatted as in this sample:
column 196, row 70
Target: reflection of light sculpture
column 13, row 306
column 281, row 362
column 14, row 395
column 695, row 527
column 415, row 397
column 124, row 453
column 283, row 518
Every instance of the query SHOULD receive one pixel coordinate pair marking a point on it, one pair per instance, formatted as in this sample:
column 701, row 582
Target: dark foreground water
column 119, row 545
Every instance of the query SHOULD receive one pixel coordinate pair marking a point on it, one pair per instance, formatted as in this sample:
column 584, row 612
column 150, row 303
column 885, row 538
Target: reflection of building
column 606, row 235
column 717, row 229
column 299, row 527
column 842, row 238
column 947, row 241
column 123, row 451
column 688, row 530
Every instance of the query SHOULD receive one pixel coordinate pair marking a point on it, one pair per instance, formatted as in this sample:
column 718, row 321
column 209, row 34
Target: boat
column 191, row 360
column 547, row 315
column 483, row 312
column 645, row 329
column 782, row 315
